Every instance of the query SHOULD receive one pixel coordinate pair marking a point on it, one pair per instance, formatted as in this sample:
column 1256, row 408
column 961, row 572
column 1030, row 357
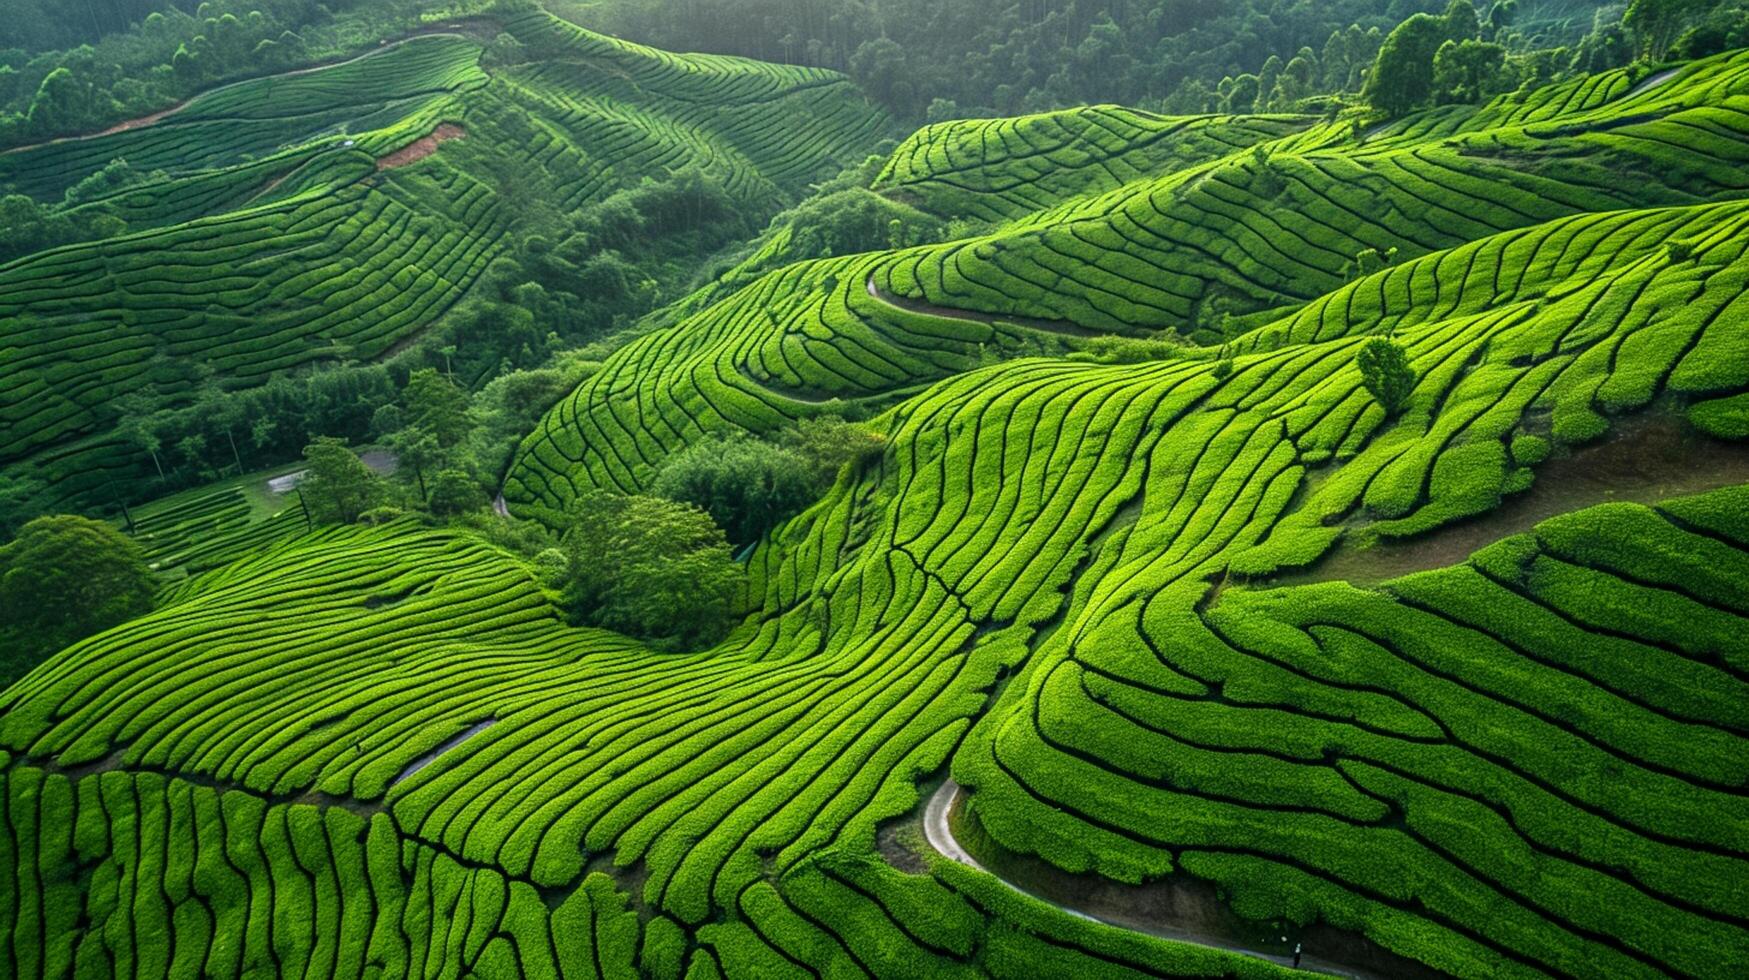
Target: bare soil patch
column 1645, row 460
column 422, row 147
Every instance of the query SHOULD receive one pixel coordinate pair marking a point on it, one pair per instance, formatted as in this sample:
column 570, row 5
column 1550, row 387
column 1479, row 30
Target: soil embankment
column 422, row 147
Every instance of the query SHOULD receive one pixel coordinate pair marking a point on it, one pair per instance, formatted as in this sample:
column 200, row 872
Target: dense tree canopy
column 1386, row 373
column 1402, row 77
column 1017, row 55
column 746, row 485
column 337, row 487
column 649, row 567
column 65, row 578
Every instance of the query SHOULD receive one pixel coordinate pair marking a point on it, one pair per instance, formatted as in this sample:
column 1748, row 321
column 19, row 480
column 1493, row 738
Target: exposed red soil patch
column 421, row 148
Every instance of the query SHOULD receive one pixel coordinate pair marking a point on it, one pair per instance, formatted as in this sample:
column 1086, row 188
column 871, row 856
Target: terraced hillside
column 281, row 225
column 1090, row 585
column 1247, row 238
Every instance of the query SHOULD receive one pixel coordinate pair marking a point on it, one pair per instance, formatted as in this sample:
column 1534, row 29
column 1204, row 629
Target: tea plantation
column 270, row 234
column 1123, row 422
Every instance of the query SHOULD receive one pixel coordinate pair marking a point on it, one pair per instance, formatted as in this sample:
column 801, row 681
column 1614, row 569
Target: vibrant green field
column 1501, row 215
column 380, row 752
column 272, row 240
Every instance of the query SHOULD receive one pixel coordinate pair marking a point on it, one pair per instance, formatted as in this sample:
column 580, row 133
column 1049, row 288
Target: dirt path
column 154, row 118
column 909, row 305
column 499, row 507
column 381, row 462
column 432, row 756
column 1647, row 459
column 1158, row 920
column 1652, row 82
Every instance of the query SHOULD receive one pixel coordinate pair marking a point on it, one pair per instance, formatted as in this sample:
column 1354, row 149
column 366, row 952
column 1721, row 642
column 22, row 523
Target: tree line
column 71, row 68
column 658, row 565
column 1459, row 57
column 931, row 60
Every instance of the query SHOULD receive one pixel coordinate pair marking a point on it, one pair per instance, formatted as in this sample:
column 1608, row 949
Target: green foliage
column 935, row 61
column 649, row 567
column 827, row 444
column 1386, row 373
column 434, row 404
column 337, row 487
column 745, row 485
column 1656, row 24
column 84, row 72
column 1724, row 28
column 27, row 226
column 277, row 232
column 1529, row 450
column 1723, row 418
column 1470, row 71
column 1066, row 583
column 1402, row 77
column 454, row 492
column 62, row 579
column 19, row 493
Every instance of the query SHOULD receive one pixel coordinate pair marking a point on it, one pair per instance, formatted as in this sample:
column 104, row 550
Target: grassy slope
column 1266, row 233
column 274, row 241
column 1528, row 764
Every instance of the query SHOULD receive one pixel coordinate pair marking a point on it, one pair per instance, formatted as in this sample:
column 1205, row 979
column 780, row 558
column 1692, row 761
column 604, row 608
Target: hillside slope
column 296, row 219
column 1090, row 584
column 1253, row 235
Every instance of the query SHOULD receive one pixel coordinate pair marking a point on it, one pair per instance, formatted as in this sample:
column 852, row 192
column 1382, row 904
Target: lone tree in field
column 1385, row 370
column 649, row 567
column 63, row 579
column 338, row 486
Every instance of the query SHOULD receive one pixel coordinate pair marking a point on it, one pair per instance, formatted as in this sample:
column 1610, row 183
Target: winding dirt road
column 910, row 305
column 939, row 833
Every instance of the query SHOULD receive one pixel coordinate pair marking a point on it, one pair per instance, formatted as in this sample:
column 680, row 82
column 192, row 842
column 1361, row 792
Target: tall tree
column 337, row 487
column 436, row 405
column 1655, row 24
column 1469, row 71
column 1386, row 373
column 1402, row 74
column 649, row 567
column 65, row 578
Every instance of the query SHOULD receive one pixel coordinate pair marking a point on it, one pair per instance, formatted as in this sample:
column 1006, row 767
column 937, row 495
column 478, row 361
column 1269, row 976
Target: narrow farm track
column 992, row 319
column 1653, row 81
column 938, row 831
